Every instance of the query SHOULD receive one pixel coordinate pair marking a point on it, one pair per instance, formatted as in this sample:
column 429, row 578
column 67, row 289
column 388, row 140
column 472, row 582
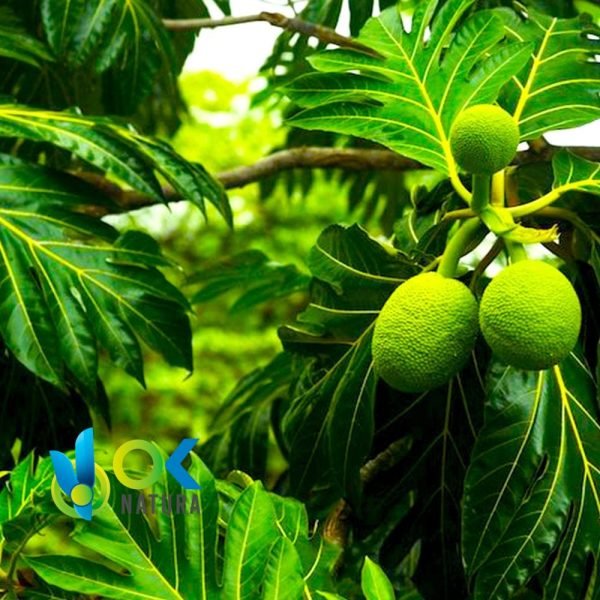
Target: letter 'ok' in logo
column 77, row 478
column 77, row 481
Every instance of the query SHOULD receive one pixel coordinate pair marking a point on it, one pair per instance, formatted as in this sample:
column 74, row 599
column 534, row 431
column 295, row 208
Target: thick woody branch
column 351, row 159
column 293, row 24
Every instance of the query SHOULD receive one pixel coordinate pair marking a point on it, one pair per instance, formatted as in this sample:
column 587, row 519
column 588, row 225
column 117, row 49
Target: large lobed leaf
column 131, row 158
column 560, row 85
column 17, row 44
column 25, row 507
column 267, row 549
column 257, row 278
column 126, row 35
column 543, row 69
column 71, row 284
column 330, row 419
column 407, row 97
column 532, row 492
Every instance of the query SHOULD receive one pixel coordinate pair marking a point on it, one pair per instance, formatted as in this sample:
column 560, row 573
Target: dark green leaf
column 532, row 491
column 17, row 44
column 252, row 272
column 67, row 288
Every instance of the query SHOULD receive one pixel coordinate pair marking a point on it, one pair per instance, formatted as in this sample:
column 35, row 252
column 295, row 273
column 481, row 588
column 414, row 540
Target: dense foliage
column 318, row 479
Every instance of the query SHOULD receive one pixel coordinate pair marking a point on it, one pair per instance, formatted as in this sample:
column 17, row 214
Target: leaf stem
column 547, row 199
column 456, row 247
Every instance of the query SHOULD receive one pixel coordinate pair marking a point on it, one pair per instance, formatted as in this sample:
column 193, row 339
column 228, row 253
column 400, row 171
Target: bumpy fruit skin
column 424, row 333
column 530, row 315
column 484, row 139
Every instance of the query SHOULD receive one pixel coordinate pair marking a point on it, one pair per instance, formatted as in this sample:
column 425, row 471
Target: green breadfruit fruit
column 425, row 333
column 484, row 139
column 530, row 315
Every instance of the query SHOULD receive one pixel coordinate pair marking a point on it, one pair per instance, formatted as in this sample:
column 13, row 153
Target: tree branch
column 293, row 24
column 351, row 159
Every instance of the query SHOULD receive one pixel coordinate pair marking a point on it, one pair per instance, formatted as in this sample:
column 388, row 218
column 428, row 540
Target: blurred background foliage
column 221, row 131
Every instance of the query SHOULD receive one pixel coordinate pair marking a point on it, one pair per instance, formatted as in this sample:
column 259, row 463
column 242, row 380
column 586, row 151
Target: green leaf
column 136, row 47
column 283, row 576
column 250, row 537
column 191, row 180
column 69, row 283
column 532, row 491
column 313, row 433
column 86, row 138
column 572, row 173
column 60, row 20
column 243, row 420
column 330, row 420
column 415, row 503
column 177, row 562
column 252, row 272
column 17, row 44
column 131, row 158
column 375, row 584
column 351, row 420
column 27, row 184
column 559, row 87
column 408, row 97
column 24, row 502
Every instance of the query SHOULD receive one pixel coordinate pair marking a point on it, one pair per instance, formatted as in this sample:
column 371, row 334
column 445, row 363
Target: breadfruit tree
column 435, row 401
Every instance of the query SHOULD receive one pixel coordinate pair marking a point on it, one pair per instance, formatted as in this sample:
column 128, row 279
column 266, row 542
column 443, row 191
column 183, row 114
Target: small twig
column 192, row 24
column 335, row 528
column 293, row 24
column 486, row 261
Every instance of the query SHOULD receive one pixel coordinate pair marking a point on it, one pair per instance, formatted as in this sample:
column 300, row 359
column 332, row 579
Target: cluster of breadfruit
column 529, row 314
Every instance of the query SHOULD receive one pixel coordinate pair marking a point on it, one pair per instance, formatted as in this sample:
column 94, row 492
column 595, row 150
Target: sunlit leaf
column 375, row 584
column 560, row 86
column 408, row 96
column 177, row 562
column 24, row 506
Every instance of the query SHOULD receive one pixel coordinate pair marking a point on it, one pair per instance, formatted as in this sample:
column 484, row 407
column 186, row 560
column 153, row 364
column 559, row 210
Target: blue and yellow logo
column 78, row 479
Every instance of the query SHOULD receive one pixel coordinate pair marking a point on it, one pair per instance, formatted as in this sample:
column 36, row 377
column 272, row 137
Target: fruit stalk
column 481, row 192
column 498, row 189
column 516, row 251
column 456, row 247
